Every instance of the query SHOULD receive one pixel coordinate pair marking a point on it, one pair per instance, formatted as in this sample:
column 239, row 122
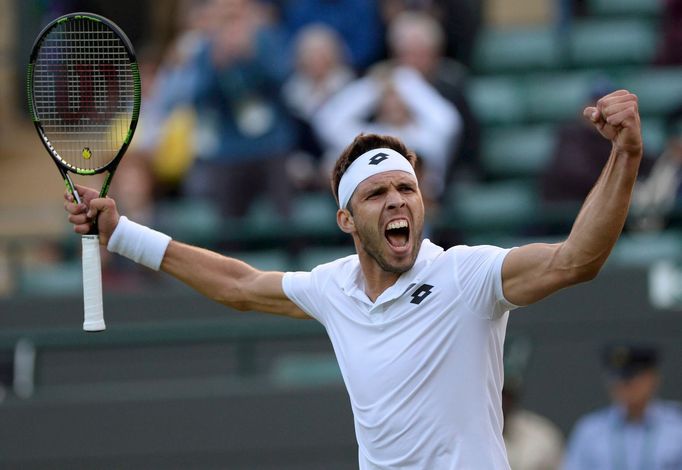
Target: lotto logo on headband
column 367, row 165
column 378, row 158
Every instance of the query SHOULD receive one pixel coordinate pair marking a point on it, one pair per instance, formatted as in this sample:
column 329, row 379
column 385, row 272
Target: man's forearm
column 211, row 274
column 603, row 215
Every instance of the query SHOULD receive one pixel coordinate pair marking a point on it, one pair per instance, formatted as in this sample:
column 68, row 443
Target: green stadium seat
column 311, row 257
column 265, row 260
column 52, row 280
column 514, row 50
column 497, row 100
column 314, row 215
column 644, row 249
column 623, row 8
column 264, row 225
column 190, row 220
column 507, row 206
column 558, row 96
column 659, row 90
column 611, row 43
column 653, row 135
column 518, row 151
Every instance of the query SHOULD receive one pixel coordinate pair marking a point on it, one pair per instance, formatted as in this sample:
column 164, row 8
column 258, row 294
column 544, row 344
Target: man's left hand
column 616, row 117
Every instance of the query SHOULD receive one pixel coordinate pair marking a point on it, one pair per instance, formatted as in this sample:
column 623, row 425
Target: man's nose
column 395, row 199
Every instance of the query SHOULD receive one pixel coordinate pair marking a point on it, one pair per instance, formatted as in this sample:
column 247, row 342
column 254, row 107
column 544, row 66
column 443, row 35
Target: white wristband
column 138, row 243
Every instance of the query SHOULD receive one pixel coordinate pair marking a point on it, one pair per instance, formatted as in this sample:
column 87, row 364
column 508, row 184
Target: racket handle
column 92, row 285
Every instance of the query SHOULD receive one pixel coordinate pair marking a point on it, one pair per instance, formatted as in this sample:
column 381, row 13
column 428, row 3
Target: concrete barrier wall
column 190, row 404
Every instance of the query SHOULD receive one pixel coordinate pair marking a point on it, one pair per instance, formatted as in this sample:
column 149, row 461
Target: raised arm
column 225, row 280
column 534, row 271
column 229, row 281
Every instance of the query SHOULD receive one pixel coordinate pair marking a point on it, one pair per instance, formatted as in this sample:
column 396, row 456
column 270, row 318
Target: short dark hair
column 364, row 143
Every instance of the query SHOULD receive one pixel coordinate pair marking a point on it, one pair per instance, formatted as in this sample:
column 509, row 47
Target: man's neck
column 635, row 414
column 376, row 279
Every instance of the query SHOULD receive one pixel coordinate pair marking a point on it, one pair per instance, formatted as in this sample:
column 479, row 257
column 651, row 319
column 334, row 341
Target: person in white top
column 395, row 101
column 418, row 331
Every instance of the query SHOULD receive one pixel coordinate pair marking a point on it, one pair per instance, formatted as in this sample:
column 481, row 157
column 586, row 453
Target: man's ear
column 345, row 221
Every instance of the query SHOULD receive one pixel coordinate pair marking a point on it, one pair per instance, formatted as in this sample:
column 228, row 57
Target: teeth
column 397, row 224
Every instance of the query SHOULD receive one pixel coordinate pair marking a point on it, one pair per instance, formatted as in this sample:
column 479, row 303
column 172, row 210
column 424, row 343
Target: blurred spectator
column 670, row 50
column 637, row 430
column 244, row 132
column 321, row 71
column 416, row 40
column 579, row 156
column 167, row 120
column 459, row 19
column 395, row 101
column 659, row 195
column 133, row 189
column 357, row 21
column 533, row 442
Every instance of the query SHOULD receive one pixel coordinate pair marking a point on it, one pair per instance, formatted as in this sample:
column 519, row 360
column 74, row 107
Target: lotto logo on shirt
column 421, row 293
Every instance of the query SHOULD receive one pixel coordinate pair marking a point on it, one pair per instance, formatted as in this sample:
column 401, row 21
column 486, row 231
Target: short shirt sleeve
column 300, row 288
column 479, row 273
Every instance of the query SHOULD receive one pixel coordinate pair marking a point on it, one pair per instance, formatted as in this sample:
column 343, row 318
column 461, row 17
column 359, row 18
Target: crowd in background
column 255, row 99
column 251, row 101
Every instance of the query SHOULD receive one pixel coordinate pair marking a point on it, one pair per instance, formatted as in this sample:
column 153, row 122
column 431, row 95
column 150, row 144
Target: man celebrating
column 418, row 331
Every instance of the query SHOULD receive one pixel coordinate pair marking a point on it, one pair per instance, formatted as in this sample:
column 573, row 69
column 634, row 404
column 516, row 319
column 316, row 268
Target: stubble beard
column 373, row 250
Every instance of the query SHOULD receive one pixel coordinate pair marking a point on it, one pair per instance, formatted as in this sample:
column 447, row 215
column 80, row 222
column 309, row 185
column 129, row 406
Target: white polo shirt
column 423, row 363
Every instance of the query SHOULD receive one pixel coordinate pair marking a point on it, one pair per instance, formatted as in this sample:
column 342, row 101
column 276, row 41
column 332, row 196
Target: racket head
column 84, row 92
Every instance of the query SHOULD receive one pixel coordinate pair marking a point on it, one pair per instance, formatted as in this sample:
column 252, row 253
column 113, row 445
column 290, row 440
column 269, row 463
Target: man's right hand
column 91, row 207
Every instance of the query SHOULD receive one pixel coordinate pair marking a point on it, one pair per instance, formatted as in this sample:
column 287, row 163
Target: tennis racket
column 84, row 98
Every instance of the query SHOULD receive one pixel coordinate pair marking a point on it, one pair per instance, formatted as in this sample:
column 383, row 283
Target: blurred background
column 246, row 104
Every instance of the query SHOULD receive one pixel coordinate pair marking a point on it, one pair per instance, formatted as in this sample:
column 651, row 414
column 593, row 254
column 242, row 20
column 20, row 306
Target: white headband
column 369, row 164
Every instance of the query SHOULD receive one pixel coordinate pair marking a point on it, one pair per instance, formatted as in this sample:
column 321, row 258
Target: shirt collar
column 619, row 415
column 354, row 284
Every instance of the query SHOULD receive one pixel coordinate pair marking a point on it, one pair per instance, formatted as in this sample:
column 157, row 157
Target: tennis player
column 417, row 330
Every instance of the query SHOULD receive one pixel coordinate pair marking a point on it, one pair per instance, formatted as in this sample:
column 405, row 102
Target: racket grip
column 92, row 285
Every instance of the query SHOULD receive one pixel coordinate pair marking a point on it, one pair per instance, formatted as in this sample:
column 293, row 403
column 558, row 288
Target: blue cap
column 624, row 361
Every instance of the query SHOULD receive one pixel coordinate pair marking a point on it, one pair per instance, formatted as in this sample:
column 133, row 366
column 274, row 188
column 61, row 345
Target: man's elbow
column 239, row 306
column 576, row 269
column 585, row 273
column 233, row 298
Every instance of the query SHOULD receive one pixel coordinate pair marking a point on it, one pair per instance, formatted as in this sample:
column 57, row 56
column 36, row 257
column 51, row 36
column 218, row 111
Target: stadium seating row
column 507, row 213
column 523, row 151
column 588, row 43
column 558, row 96
column 526, row 82
column 625, row 8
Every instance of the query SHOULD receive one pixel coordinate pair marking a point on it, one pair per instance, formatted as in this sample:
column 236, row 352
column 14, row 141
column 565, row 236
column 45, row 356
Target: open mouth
column 397, row 233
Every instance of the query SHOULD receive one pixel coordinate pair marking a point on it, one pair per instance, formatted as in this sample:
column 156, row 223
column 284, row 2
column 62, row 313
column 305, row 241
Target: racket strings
column 84, row 92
